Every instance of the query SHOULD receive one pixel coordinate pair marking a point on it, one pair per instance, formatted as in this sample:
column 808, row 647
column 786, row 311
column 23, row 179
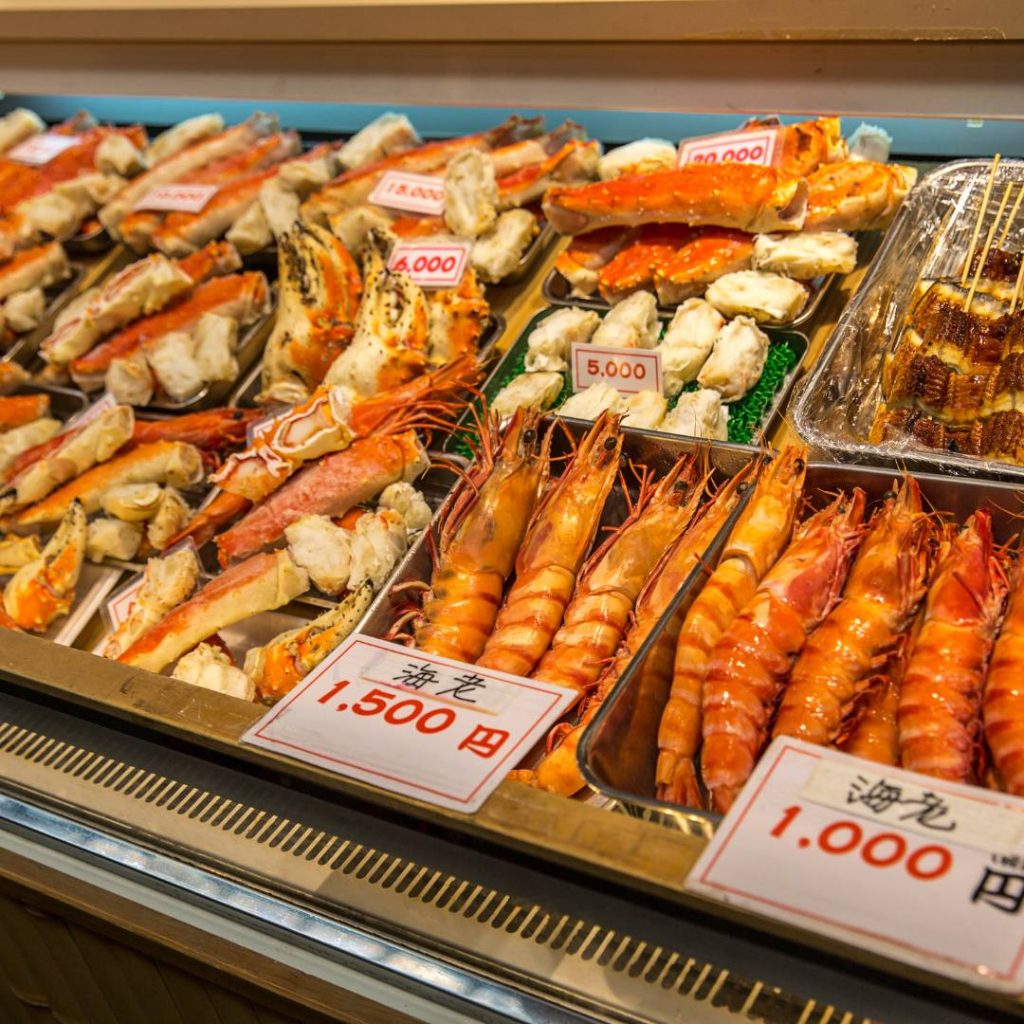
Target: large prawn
column 556, row 542
column 940, row 700
column 760, row 534
column 480, row 538
column 753, row 657
column 886, row 584
column 596, row 618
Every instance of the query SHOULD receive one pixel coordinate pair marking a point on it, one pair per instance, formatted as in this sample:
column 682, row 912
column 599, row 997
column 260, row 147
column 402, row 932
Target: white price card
column 121, row 605
column 412, row 723
column 921, row 870
column 41, row 149
column 625, row 369
column 431, row 265
column 756, row 146
column 414, row 193
column 177, row 198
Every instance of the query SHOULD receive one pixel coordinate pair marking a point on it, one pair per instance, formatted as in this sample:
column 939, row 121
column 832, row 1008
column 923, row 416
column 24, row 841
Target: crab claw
column 45, row 588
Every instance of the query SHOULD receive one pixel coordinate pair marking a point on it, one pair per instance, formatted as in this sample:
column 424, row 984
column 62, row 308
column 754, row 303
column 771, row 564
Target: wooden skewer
column 1012, row 217
column 981, row 217
column 988, row 246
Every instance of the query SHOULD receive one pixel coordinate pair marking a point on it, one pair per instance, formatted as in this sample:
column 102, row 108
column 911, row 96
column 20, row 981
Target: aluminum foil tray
column 617, row 754
column 930, row 239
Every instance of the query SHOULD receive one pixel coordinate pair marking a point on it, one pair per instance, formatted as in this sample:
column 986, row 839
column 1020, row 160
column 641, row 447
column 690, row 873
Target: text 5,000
column 615, row 368
column 880, row 850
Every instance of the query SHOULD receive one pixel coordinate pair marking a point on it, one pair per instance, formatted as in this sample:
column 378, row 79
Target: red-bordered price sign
column 412, row 723
column 414, row 193
column 181, row 198
column 41, row 149
column 431, row 265
column 121, row 605
column 748, row 147
column 626, row 369
column 924, row 871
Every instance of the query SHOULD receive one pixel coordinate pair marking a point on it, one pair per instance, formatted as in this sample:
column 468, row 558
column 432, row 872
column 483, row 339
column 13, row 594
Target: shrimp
column 1003, row 701
column 752, row 659
column 45, row 588
column 886, row 584
column 760, row 534
column 558, row 771
column 556, row 542
column 596, row 618
column 479, row 541
column 940, row 701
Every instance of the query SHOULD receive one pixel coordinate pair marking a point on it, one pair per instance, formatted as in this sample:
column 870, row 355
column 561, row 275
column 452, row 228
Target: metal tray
column 540, row 244
column 513, row 356
column 623, row 772
column 249, row 386
column 556, row 289
column 25, row 346
column 89, row 243
column 929, row 239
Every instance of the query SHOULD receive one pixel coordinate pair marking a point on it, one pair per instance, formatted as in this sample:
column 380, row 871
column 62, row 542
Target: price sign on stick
column 924, row 871
column 750, row 147
column 41, row 149
column 412, row 723
column 626, row 369
column 434, row 265
column 414, row 193
column 179, row 198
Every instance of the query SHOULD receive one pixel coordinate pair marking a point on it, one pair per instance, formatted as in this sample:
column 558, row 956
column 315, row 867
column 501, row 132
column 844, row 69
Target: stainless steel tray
column 929, row 239
column 617, row 754
column 249, row 386
column 556, row 289
column 89, row 243
column 24, row 347
column 510, row 366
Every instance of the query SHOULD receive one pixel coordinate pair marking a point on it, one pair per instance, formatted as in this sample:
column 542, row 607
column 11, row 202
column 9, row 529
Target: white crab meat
column 631, row 323
column 528, row 391
column 644, row 410
column 497, row 253
column 116, row 154
column 470, row 194
column 687, row 343
column 548, row 346
column 251, row 232
column 323, row 550
column 589, row 404
column 737, row 360
column 171, row 517
column 19, row 439
column 698, row 414
column 132, row 503
column 130, row 379
column 112, row 538
column 768, row 298
column 353, row 225
column 216, row 341
column 378, row 543
column 805, row 255
column 644, row 156
column 408, row 502
column 173, row 359
column 23, row 311
column 389, row 133
column 209, row 667
column 183, row 134
column 17, row 126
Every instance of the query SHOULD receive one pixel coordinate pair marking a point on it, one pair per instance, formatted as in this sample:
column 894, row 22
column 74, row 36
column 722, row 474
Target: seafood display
column 720, row 377
column 25, row 280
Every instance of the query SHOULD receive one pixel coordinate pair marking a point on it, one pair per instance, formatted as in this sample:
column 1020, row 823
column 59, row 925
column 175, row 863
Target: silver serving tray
column 929, row 239
column 556, row 289
column 513, row 356
column 618, row 752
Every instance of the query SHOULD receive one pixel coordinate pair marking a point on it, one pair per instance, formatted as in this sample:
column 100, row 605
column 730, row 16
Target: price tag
column 91, row 412
column 626, row 369
column 434, row 265
column 41, row 149
column 747, row 147
column 924, row 871
column 412, row 723
column 181, row 198
column 121, row 605
column 414, row 193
